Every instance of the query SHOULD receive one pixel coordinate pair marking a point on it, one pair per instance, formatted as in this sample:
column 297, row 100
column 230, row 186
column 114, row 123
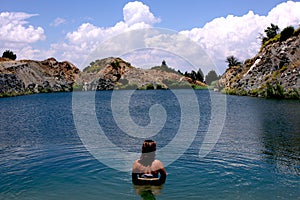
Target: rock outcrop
column 273, row 72
column 29, row 76
column 115, row 73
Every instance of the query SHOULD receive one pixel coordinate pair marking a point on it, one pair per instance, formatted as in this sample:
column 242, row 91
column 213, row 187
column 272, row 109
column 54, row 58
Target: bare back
column 154, row 170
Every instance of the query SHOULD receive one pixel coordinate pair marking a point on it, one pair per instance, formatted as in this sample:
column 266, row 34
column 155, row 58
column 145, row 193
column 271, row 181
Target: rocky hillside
column 274, row 72
column 115, row 73
column 29, row 76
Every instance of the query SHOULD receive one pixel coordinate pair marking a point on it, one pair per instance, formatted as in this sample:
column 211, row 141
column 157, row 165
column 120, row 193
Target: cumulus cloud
column 137, row 12
column 81, row 42
column 238, row 35
column 17, row 36
column 13, row 28
column 219, row 38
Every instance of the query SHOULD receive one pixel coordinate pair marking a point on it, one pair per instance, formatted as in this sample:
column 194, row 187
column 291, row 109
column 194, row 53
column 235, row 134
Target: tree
column 271, row 31
column 9, row 54
column 232, row 61
column 193, row 75
column 179, row 72
column 210, row 77
column 200, row 75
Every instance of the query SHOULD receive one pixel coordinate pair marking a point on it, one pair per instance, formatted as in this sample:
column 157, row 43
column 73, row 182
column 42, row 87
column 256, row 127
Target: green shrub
column 231, row 91
column 180, row 85
column 293, row 94
column 254, row 92
column 150, row 87
column 276, row 91
column 275, row 74
column 283, row 68
column 128, row 87
column 199, row 87
column 286, row 33
column 159, row 87
column 77, row 87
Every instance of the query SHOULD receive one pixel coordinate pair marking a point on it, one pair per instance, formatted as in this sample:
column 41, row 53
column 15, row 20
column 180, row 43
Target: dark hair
column 148, row 146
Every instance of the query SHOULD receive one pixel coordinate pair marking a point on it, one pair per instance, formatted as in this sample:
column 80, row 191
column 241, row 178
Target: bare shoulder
column 158, row 164
column 136, row 162
column 135, row 165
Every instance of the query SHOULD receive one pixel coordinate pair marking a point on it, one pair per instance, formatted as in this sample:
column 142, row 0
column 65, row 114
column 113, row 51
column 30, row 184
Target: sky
column 188, row 32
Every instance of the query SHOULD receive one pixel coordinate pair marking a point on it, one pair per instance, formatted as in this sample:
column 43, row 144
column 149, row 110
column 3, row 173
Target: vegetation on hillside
column 9, row 54
column 97, row 65
column 268, row 74
column 233, row 61
column 273, row 34
column 164, row 67
column 193, row 75
column 211, row 77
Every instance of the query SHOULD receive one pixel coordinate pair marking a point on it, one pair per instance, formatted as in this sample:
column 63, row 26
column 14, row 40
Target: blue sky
column 67, row 30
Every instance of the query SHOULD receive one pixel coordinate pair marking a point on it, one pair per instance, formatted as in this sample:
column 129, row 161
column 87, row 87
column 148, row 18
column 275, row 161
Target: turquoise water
column 256, row 157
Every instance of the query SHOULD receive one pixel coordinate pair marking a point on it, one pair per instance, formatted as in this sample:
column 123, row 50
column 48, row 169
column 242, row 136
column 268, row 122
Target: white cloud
column 238, row 35
column 58, row 21
column 221, row 37
column 13, row 28
column 137, row 12
column 285, row 14
column 17, row 36
column 88, row 37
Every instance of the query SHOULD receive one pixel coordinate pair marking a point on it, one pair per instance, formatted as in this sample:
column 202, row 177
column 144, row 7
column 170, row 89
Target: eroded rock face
column 273, row 72
column 10, row 83
column 28, row 76
column 115, row 73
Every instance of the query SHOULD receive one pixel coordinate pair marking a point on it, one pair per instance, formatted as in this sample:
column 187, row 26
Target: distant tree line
column 194, row 75
column 164, row 67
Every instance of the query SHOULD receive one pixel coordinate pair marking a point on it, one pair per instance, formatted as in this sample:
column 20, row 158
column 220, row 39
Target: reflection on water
column 256, row 157
column 148, row 192
column 281, row 136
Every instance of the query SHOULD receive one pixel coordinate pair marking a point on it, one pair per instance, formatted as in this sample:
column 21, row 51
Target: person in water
column 147, row 170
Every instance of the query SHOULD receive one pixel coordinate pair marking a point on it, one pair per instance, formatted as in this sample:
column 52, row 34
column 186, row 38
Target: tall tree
column 272, row 31
column 200, row 75
column 210, row 77
column 193, row 75
column 232, row 61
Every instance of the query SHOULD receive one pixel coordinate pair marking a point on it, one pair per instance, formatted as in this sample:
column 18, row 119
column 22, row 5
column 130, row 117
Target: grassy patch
column 271, row 41
column 199, row 87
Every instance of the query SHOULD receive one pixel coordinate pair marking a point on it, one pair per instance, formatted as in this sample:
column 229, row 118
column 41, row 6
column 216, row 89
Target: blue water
column 256, row 157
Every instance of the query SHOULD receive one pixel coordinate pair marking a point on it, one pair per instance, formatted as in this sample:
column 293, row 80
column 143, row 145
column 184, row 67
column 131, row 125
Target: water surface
column 256, row 157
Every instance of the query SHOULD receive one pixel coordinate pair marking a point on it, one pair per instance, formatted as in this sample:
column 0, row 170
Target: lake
column 49, row 146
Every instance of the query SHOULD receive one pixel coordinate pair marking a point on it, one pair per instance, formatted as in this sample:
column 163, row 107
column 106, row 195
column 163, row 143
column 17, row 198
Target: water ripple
column 256, row 157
